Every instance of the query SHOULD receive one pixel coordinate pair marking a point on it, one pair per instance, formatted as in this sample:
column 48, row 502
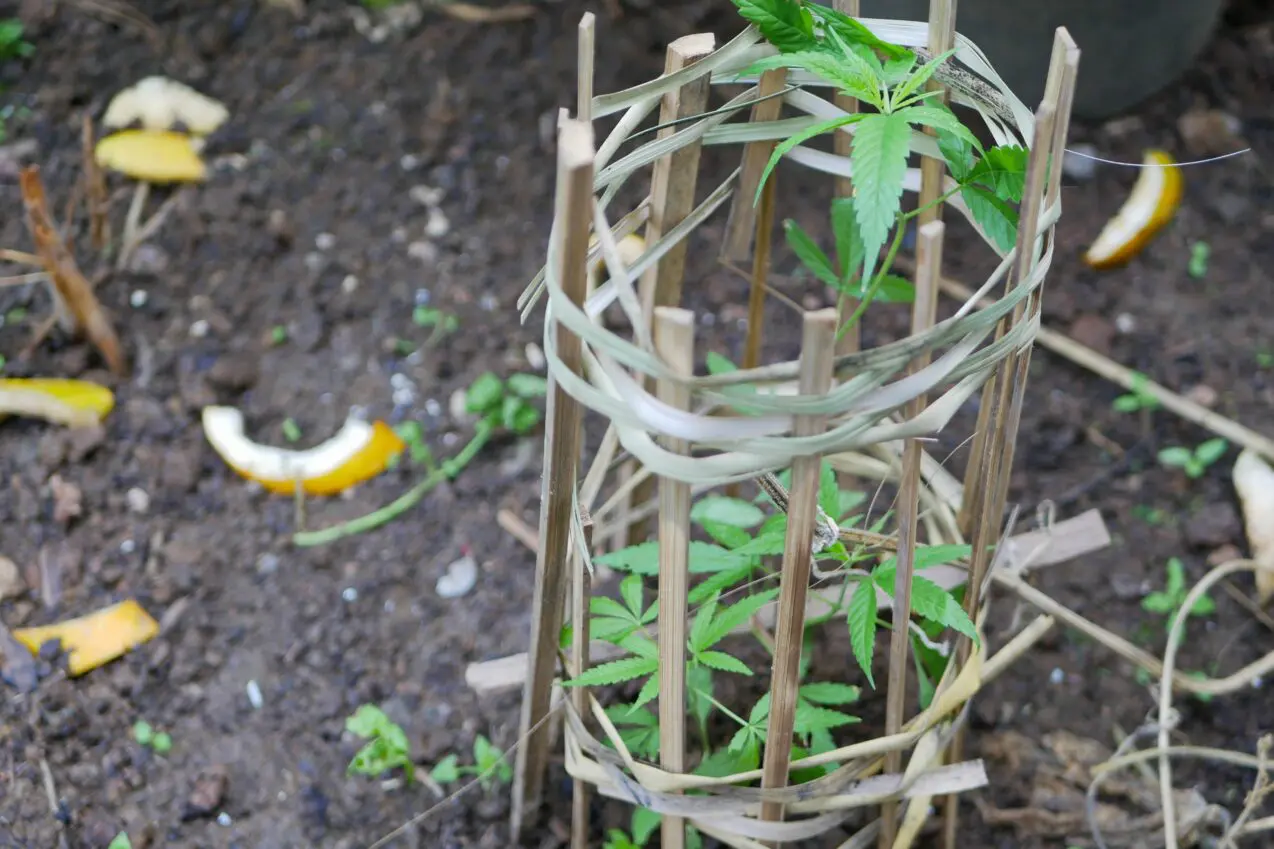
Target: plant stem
column 876, row 282
column 447, row 471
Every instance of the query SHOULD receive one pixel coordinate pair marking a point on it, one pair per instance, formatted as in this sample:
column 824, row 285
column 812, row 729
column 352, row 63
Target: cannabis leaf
column 726, row 511
column 784, row 147
column 861, row 617
column 614, row 672
column 639, row 729
column 784, row 23
column 879, row 159
column 809, row 253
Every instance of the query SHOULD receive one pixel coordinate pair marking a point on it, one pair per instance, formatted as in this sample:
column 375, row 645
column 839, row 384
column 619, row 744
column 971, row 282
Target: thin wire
column 1160, row 164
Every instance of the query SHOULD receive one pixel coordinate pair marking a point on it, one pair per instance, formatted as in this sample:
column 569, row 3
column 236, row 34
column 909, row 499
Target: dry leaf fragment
column 159, row 103
column 68, row 499
column 1254, row 482
column 153, row 156
column 97, row 638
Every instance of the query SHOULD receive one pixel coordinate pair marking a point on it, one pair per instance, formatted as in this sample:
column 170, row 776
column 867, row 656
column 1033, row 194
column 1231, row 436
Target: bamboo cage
column 865, row 412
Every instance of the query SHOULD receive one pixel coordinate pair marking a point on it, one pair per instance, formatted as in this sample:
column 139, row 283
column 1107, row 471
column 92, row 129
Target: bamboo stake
column 817, row 337
column 924, row 314
column 842, row 145
column 760, row 277
column 672, row 190
column 572, row 214
column 581, row 590
column 942, row 17
column 584, row 66
column 739, row 226
column 674, row 341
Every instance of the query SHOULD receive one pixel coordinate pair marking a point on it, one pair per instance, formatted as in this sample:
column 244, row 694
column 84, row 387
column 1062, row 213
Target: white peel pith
column 159, row 102
column 1134, row 216
column 223, row 428
column 1254, row 483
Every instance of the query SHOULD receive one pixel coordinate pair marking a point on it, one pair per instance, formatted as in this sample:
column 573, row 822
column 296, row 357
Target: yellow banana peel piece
column 97, row 638
column 75, row 403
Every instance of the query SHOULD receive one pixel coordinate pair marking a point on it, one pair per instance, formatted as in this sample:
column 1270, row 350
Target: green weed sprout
column 1168, row 601
column 1137, row 398
column 1194, row 462
column 490, row 766
column 387, row 747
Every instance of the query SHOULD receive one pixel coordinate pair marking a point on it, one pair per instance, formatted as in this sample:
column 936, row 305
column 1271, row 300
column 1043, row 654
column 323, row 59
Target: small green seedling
column 490, row 766
column 433, row 317
column 1169, row 600
column 1137, row 398
column 387, row 746
column 1194, row 462
column 1265, row 359
column 507, row 402
column 160, row 742
column 1200, row 252
column 120, row 841
column 413, row 434
column 278, row 335
column 291, row 430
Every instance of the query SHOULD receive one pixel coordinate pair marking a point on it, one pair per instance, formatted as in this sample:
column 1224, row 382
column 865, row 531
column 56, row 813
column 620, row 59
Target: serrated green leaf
column 940, row 118
column 853, row 32
column 640, row 645
column 729, row 618
column 891, row 289
column 700, row 625
column 1158, row 602
column 528, row 385
column 849, row 242
column 724, row 762
column 643, row 825
column 993, row 214
column 783, row 147
column 784, row 23
column 718, row 582
column 879, row 158
column 829, row 693
column 926, row 557
column 706, row 557
column 630, row 589
column 600, row 605
column 699, row 690
column 727, row 535
column 1002, row 169
column 828, row 491
column 614, row 672
column 1176, row 571
column 958, row 153
column 640, row 559
column 861, row 618
column 809, row 253
column 723, row 662
column 851, row 75
column 609, row 629
column 936, row 604
column 922, row 75
column 810, row 718
column 726, row 511
column 719, row 364
column 847, row 501
column 648, row 692
column 121, row 841
column 763, row 545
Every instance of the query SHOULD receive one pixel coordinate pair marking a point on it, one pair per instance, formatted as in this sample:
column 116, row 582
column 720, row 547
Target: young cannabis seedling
column 489, row 766
column 387, row 747
column 1194, row 462
column 1137, row 398
column 120, row 841
column 160, row 742
column 1169, row 600
column 1200, row 252
column 12, row 44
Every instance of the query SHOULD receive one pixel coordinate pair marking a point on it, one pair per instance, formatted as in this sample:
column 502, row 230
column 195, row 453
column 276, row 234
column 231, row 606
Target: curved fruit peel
column 1152, row 204
column 1254, row 483
column 158, row 103
column 360, row 451
column 153, row 156
column 96, row 638
column 65, row 401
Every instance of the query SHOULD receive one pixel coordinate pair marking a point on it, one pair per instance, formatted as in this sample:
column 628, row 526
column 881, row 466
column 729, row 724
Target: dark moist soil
column 318, row 226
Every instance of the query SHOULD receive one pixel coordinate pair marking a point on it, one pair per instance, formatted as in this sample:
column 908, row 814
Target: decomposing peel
column 631, row 247
column 1254, row 482
column 76, row 403
column 1152, row 204
column 96, row 638
column 159, row 103
column 154, row 156
column 361, row 450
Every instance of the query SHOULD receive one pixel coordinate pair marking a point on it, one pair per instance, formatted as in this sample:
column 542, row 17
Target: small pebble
column 224, row 820
column 488, row 302
column 460, row 578
column 1057, row 676
column 1203, row 395
column 422, row 297
column 138, row 298
column 708, row 319
column 349, row 594
column 425, row 195
column 325, row 241
column 535, row 356
column 254, row 695
column 456, row 405
column 409, row 162
column 350, row 284
column 314, row 261
column 1125, row 323
column 138, row 500
column 433, row 408
column 267, row 564
column 128, row 546
column 449, row 440
column 438, row 225
column 423, row 251
column 199, row 328
column 398, row 236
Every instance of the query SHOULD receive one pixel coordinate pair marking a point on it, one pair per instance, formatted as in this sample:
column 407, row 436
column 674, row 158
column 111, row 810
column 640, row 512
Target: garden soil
column 360, row 178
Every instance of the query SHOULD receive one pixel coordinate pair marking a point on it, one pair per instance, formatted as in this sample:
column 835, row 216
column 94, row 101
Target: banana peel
column 74, row 403
column 1254, row 483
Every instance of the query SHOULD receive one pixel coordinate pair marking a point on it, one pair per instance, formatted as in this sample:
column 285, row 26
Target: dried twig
column 95, row 183
column 75, row 306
